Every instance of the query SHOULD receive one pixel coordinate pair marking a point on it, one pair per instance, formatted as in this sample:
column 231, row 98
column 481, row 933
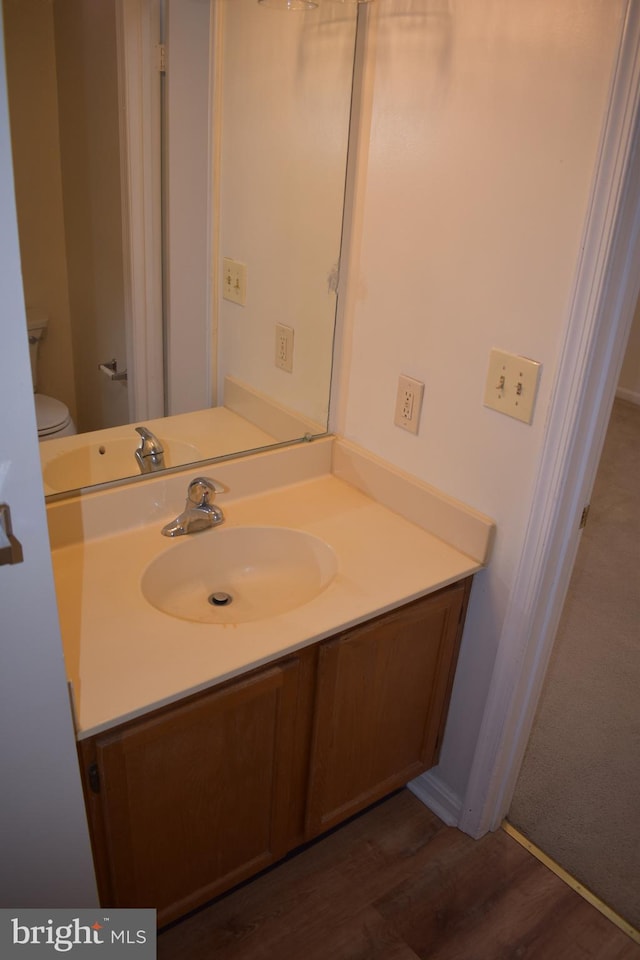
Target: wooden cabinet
column 199, row 796
column 381, row 698
column 193, row 798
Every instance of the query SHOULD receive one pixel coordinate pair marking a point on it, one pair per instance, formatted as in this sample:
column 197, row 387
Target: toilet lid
column 51, row 414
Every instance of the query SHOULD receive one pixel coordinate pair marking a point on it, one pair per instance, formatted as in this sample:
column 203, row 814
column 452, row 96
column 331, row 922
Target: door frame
column 45, row 840
column 139, row 75
column 604, row 297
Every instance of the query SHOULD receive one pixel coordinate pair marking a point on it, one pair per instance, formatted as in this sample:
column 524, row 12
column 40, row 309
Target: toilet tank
column 37, row 327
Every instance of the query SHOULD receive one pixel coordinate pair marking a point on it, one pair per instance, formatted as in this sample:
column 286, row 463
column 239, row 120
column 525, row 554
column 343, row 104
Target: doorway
column 576, row 794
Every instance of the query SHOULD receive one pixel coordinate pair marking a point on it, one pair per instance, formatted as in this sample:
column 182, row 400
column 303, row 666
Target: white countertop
column 124, row 657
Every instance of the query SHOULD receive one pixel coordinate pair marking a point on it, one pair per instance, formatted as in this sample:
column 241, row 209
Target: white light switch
column 512, row 385
column 234, row 281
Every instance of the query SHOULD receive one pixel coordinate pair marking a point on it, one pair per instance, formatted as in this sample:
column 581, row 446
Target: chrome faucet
column 199, row 511
column 150, row 453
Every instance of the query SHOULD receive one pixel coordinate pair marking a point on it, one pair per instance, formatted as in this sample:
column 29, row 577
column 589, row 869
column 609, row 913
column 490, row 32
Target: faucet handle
column 202, row 490
column 199, row 512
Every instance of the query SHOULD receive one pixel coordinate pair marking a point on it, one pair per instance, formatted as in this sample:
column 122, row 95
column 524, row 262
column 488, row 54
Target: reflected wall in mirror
column 253, row 113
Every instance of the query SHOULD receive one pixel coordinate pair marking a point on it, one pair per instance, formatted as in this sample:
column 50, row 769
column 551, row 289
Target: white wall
column 484, row 138
column 31, row 74
column 64, row 108
column 285, row 123
column 45, row 858
column 85, row 38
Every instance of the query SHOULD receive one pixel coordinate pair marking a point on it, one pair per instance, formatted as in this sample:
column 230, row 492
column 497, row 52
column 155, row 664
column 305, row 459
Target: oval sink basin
column 92, row 463
column 237, row 574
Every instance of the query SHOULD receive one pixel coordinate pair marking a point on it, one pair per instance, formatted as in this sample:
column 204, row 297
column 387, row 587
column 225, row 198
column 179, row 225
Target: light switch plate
column 234, row 281
column 512, row 384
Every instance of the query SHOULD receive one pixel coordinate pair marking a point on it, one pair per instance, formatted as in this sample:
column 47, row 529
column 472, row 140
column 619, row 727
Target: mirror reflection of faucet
column 150, row 453
column 199, row 512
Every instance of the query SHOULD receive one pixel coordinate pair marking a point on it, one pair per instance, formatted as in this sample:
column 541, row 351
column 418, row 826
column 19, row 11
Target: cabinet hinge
column 94, row 777
column 583, row 518
column 161, row 58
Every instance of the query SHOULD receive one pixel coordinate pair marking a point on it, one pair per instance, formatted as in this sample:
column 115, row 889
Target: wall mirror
column 180, row 173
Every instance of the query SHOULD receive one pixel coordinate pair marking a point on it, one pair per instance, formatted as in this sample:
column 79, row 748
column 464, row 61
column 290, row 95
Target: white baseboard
column 436, row 795
column 632, row 396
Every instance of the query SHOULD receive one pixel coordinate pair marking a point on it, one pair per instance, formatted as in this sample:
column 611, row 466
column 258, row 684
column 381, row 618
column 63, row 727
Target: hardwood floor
column 396, row 884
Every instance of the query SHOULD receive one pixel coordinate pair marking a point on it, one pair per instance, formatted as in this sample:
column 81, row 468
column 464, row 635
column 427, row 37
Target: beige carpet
column 578, row 794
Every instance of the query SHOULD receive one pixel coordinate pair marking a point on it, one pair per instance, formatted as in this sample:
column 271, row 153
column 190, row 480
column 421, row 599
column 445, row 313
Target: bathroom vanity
column 209, row 749
column 195, row 797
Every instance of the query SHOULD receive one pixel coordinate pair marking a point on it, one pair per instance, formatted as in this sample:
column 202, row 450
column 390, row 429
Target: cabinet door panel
column 197, row 799
column 380, row 704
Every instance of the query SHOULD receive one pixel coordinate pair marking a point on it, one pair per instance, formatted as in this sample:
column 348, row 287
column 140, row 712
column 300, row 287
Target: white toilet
column 52, row 416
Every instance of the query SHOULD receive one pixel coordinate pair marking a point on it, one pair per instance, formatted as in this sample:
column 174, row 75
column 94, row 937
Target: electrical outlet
column 408, row 403
column 234, row 281
column 512, row 385
column 284, row 347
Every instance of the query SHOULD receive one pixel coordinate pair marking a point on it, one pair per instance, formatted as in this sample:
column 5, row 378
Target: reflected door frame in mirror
column 190, row 202
column 138, row 25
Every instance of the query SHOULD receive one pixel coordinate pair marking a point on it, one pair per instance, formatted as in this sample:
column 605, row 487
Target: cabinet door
column 198, row 798
column 381, row 700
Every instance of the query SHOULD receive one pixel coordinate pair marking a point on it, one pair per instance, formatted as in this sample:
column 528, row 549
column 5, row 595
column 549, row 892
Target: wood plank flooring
column 396, row 884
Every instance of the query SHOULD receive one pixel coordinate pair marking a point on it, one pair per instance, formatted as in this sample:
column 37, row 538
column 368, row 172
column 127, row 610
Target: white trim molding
column 605, row 292
column 438, row 797
column 138, row 36
column 631, row 396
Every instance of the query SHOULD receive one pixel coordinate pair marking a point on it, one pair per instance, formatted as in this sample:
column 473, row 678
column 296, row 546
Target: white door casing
column 44, row 841
column 188, row 205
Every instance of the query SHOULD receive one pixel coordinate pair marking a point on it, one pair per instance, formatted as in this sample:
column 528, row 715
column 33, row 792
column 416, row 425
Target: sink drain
column 220, row 599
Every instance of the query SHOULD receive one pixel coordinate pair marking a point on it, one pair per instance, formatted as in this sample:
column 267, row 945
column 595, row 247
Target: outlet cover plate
column 284, row 347
column 408, row 403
